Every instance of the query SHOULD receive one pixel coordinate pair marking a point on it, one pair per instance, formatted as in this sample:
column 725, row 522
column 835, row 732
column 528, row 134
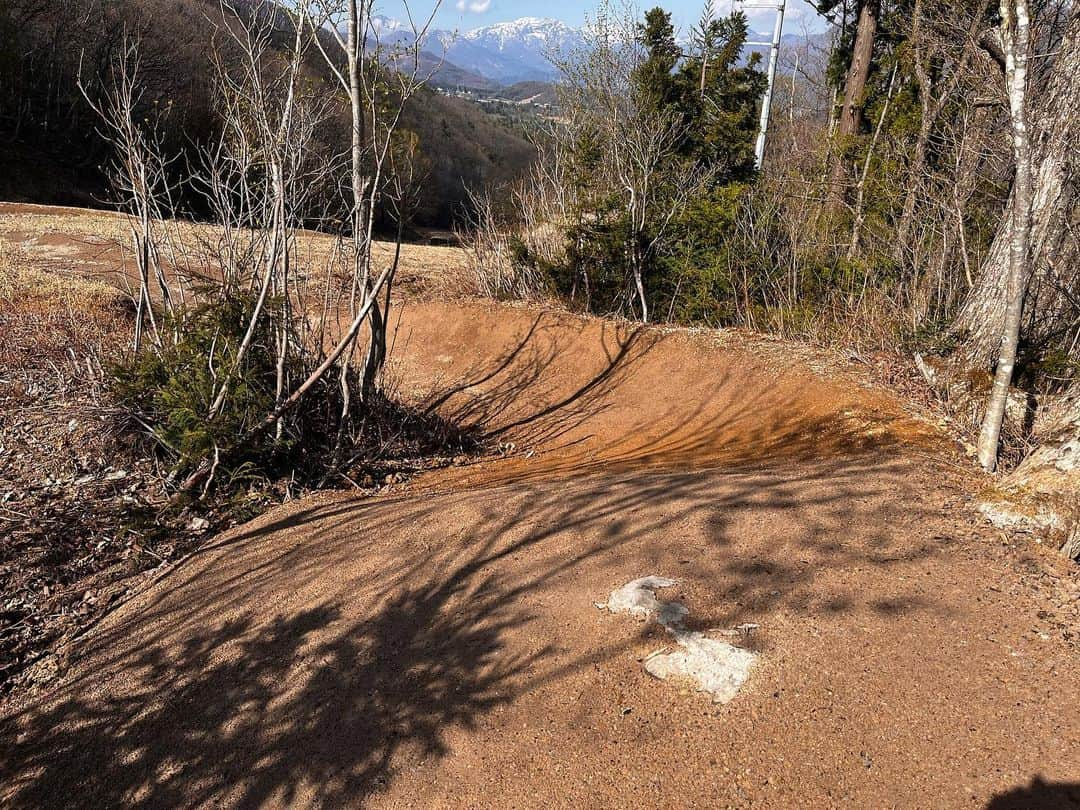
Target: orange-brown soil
column 438, row 645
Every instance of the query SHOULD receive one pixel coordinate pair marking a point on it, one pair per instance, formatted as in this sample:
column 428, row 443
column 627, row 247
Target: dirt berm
column 438, row 646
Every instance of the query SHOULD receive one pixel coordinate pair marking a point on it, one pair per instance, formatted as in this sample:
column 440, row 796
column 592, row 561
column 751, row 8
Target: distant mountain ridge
column 509, row 53
column 500, row 54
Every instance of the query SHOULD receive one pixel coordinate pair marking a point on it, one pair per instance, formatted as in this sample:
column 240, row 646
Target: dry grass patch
column 95, row 243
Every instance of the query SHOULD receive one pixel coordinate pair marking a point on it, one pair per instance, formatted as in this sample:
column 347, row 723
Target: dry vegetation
column 95, row 242
column 76, row 507
column 85, row 507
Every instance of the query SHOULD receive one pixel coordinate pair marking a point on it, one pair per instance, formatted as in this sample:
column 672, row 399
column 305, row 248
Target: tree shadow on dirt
column 313, row 655
column 557, row 383
column 305, row 707
column 1039, row 795
column 513, row 392
column 325, row 702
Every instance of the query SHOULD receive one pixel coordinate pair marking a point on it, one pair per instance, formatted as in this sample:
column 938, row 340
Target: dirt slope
column 585, row 393
column 439, row 647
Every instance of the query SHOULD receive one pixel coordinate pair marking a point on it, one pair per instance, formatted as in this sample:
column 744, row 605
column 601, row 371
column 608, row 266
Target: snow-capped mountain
column 390, row 32
column 528, row 34
column 520, row 50
column 503, row 53
column 387, row 25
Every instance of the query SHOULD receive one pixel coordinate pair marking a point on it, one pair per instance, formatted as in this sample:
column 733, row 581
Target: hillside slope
column 53, row 152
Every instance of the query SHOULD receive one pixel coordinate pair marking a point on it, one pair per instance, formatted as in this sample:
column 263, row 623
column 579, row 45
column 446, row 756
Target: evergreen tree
column 633, row 236
column 654, row 77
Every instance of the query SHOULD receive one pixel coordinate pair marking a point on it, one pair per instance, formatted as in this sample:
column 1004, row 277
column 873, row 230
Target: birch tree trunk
column 1054, row 247
column 1016, row 36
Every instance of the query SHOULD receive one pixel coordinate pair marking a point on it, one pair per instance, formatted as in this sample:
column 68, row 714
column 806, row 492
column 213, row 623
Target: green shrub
column 168, row 392
column 171, row 389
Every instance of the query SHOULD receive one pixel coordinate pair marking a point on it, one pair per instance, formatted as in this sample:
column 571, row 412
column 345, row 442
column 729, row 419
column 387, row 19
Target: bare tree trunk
column 376, row 351
column 1016, row 35
column 1055, row 217
column 850, row 121
column 915, row 173
column 377, row 95
column 359, row 13
column 639, row 284
column 851, row 114
column 860, row 188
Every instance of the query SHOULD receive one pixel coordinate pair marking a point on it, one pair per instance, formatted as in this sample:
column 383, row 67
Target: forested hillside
column 54, row 154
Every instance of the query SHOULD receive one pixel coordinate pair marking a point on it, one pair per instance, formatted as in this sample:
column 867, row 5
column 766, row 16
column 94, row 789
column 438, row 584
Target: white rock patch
column 715, row 666
column 639, row 598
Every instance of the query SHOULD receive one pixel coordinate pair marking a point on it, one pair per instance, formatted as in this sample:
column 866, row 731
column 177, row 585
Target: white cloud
column 475, row 6
column 796, row 9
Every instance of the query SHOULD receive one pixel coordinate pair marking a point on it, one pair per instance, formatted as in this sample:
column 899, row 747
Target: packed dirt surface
column 439, row 646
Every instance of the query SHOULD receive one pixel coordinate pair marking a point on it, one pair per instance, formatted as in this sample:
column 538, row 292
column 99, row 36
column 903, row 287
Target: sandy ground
column 439, row 646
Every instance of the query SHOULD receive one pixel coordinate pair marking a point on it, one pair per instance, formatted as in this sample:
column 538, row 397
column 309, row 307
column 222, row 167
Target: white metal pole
column 766, row 102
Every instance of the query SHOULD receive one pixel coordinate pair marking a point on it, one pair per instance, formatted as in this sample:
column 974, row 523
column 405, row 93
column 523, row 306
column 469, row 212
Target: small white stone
column 714, row 666
column 639, row 598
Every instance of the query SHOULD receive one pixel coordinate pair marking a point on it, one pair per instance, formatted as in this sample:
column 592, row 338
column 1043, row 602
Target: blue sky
column 466, row 14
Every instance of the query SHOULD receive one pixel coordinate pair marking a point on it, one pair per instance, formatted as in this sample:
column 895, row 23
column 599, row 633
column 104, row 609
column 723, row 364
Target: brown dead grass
column 63, row 502
column 55, row 323
column 95, row 242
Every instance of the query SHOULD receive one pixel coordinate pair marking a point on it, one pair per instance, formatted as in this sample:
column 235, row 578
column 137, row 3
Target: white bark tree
column 1016, row 41
column 1053, row 116
column 378, row 80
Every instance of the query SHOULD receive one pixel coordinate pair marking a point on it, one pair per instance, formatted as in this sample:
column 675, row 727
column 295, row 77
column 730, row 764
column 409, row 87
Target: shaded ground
column 84, row 506
column 438, row 646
